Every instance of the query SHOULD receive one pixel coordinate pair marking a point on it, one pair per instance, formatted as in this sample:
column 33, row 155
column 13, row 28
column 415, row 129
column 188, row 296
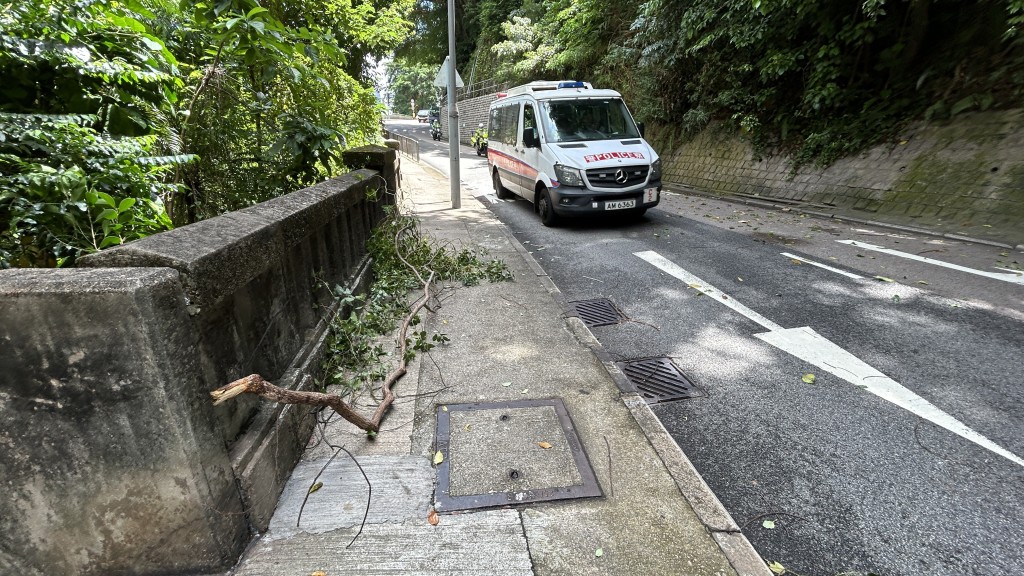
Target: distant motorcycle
column 435, row 130
column 479, row 140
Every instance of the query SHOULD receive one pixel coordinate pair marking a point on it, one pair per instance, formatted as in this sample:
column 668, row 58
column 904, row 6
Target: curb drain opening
column 598, row 312
column 659, row 380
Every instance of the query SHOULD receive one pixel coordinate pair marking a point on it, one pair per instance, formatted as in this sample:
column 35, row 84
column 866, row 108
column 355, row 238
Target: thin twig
column 642, row 322
column 521, row 305
column 756, row 518
column 611, row 476
column 439, row 373
column 369, row 495
column 923, row 447
column 310, row 489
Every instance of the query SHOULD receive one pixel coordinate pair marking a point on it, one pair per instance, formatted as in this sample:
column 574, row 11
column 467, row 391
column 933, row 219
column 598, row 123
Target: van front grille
column 610, row 178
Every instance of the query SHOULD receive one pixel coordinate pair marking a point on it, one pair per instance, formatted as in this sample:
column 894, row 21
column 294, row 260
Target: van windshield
column 583, row 120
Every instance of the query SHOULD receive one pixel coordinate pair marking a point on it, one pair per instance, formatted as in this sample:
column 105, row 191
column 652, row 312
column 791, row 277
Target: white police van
column 571, row 150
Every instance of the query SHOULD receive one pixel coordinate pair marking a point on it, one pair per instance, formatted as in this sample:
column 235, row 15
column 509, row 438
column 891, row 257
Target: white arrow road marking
column 1013, row 276
column 820, row 265
column 813, row 348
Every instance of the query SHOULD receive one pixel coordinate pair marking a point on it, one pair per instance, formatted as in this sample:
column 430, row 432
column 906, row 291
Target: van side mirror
column 640, row 127
column 530, row 139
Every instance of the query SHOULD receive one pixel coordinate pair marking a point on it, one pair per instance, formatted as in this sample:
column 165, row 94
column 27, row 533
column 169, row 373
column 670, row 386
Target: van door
column 511, row 139
column 531, row 155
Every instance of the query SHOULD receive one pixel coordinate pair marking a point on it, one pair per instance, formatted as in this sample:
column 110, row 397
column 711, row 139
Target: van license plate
column 619, row 204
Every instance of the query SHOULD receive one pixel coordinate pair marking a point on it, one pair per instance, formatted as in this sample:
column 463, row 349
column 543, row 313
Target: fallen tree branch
column 255, row 384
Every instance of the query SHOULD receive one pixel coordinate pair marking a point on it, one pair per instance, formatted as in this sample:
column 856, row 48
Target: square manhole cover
column 509, row 453
column 659, row 380
column 598, row 312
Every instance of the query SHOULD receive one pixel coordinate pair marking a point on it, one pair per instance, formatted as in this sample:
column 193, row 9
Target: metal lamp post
column 453, row 112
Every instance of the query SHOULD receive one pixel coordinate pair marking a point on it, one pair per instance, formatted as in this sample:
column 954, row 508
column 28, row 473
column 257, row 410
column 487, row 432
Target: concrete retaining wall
column 969, row 172
column 472, row 112
column 113, row 459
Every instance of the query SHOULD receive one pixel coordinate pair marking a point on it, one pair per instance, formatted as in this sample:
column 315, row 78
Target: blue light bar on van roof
column 573, row 84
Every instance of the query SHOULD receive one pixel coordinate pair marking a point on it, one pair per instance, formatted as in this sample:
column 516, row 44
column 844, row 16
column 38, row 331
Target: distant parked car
column 422, row 115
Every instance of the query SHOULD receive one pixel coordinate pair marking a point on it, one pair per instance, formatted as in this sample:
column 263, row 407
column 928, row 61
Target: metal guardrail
column 406, row 145
column 481, row 87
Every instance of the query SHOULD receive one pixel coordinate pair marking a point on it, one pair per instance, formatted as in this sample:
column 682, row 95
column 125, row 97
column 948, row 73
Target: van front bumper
column 573, row 201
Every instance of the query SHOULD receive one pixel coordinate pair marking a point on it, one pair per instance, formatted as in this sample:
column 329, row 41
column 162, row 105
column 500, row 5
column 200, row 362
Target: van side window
column 529, row 119
column 495, row 124
column 510, row 124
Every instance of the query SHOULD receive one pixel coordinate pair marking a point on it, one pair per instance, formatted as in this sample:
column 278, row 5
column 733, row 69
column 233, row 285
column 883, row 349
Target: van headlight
column 656, row 170
column 568, row 176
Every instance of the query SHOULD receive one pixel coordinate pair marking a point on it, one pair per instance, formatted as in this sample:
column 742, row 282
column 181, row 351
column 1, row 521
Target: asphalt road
column 903, row 457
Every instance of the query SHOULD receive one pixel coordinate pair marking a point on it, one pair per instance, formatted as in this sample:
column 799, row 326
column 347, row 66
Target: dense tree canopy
column 119, row 118
column 822, row 79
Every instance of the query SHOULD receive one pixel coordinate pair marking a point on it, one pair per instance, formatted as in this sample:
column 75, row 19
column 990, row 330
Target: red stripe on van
column 511, row 164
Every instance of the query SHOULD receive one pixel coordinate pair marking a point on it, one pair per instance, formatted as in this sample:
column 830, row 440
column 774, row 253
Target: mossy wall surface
column 967, row 173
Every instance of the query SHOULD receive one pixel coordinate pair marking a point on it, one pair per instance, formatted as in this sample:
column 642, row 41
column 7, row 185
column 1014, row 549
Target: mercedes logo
column 621, row 176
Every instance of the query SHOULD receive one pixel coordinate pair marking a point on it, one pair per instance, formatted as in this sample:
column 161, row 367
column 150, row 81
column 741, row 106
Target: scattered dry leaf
column 318, row 573
column 315, row 487
column 432, row 517
column 438, row 457
column 544, row 445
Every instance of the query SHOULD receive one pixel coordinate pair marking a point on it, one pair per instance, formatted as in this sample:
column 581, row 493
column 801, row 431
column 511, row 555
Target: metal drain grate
column 659, row 380
column 599, row 312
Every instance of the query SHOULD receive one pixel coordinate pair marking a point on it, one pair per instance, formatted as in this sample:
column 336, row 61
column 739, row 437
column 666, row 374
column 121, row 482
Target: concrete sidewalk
column 523, row 413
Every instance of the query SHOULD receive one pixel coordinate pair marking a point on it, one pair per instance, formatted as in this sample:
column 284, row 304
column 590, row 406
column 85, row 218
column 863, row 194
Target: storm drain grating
column 598, row 312
column 659, row 380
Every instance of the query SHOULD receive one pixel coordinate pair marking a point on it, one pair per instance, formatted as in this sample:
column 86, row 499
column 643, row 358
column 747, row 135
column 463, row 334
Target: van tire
column 546, row 210
column 499, row 190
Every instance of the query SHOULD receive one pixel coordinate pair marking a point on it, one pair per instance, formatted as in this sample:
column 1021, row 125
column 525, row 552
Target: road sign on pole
column 441, row 80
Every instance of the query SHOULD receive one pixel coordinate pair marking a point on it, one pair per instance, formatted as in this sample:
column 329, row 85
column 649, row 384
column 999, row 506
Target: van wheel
column 546, row 210
column 500, row 191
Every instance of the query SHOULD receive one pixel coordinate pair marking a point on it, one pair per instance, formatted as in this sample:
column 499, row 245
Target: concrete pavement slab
column 480, row 544
column 401, row 491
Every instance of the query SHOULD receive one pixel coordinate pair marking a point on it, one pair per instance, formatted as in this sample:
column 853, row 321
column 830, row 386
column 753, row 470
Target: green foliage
column 80, row 165
column 412, row 83
column 199, row 107
column 357, row 356
column 822, row 80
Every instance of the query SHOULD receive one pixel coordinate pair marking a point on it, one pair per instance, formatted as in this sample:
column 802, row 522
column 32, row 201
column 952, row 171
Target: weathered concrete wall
column 113, row 459
column 472, row 112
column 970, row 171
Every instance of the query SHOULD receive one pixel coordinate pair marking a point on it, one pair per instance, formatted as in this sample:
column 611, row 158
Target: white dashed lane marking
column 820, row 265
column 1013, row 276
